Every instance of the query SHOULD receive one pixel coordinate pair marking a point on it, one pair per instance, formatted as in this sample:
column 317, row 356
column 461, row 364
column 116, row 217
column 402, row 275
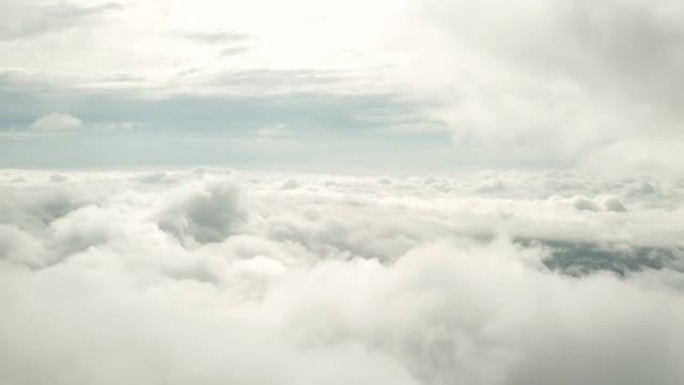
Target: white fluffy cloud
column 57, row 123
column 215, row 276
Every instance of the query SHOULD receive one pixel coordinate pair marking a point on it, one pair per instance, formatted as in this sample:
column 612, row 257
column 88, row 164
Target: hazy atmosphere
column 341, row 192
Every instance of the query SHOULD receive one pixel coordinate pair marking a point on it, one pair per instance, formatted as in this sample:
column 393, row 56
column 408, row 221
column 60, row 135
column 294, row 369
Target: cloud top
column 176, row 277
column 56, row 123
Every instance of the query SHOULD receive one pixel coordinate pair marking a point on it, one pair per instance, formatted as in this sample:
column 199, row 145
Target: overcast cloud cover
column 268, row 192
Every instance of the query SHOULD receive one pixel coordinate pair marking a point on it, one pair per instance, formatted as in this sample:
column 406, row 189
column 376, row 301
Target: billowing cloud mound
column 215, row 277
column 206, row 216
column 56, row 123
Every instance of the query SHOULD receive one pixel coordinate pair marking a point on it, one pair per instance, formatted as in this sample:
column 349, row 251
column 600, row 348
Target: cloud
column 613, row 203
column 235, row 129
column 125, row 276
column 35, row 18
column 57, row 123
column 216, row 37
column 236, row 50
column 208, row 215
column 583, row 203
column 554, row 81
column 230, row 100
column 61, row 125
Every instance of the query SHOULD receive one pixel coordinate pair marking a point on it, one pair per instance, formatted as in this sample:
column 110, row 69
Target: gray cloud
column 29, row 20
column 557, row 80
column 217, row 37
column 235, row 50
column 206, row 216
column 193, row 114
column 152, row 129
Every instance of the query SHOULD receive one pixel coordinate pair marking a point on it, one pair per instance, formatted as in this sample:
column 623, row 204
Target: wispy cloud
column 26, row 20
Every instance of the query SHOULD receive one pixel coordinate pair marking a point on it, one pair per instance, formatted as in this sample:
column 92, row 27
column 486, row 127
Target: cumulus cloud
column 57, row 123
column 176, row 277
column 614, row 204
column 207, row 215
column 62, row 125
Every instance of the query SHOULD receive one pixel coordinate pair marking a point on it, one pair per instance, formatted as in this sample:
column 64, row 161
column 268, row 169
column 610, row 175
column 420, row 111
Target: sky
column 425, row 85
column 409, row 192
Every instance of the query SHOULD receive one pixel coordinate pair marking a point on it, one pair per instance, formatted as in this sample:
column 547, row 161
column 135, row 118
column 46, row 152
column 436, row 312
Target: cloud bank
column 585, row 82
column 228, row 276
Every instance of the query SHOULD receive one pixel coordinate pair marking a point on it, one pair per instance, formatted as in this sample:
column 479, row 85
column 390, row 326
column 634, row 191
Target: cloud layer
column 216, row 276
column 591, row 82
